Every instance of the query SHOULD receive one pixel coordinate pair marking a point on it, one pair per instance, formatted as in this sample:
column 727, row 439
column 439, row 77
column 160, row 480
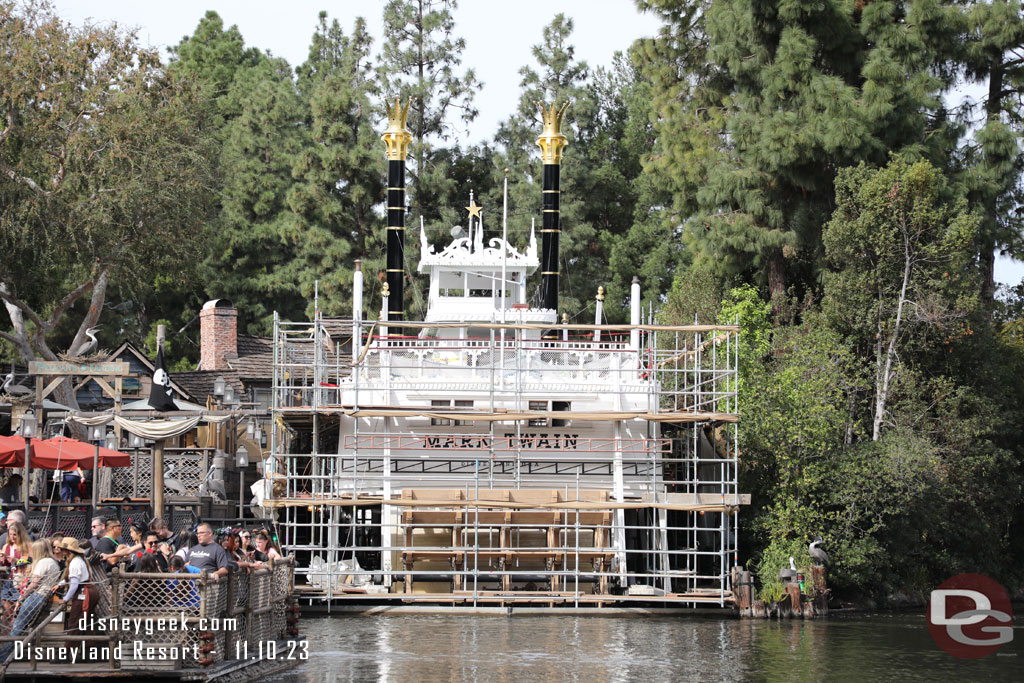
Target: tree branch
column 7, row 296
column 63, row 305
column 7, row 129
column 99, row 293
column 28, row 182
column 20, row 338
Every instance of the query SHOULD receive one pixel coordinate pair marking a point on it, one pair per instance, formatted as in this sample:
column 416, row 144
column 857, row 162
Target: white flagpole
column 504, row 276
column 504, row 249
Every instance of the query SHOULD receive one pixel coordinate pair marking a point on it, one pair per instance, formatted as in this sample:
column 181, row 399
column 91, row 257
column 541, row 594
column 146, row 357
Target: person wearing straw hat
column 82, row 595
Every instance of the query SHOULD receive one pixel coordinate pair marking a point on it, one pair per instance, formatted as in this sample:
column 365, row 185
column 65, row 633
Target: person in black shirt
column 149, row 543
column 108, row 545
column 257, row 554
column 164, row 534
column 207, row 554
column 98, row 528
column 11, row 492
column 245, row 545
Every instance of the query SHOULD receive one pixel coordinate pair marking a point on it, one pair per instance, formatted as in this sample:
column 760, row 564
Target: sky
column 499, row 37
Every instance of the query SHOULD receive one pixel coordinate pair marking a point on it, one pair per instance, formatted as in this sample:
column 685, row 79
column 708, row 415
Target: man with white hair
column 15, row 516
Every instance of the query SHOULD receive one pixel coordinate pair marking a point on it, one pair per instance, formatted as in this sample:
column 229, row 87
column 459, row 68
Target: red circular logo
column 969, row 616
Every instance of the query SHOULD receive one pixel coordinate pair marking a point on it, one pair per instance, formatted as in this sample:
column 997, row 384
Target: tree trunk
column 776, row 273
column 988, row 269
column 882, row 386
column 993, row 109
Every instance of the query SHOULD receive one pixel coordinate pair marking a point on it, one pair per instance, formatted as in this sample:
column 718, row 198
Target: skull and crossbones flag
column 161, row 394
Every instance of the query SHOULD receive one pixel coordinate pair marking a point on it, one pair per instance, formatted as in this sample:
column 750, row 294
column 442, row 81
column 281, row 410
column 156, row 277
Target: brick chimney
column 218, row 331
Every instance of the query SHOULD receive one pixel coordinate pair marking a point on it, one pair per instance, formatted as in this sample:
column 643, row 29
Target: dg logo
column 969, row 616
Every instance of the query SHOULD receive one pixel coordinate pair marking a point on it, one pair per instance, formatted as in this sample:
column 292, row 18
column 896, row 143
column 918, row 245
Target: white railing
column 672, row 369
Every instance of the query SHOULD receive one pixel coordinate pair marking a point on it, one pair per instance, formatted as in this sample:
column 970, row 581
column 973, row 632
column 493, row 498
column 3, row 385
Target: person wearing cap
column 81, row 594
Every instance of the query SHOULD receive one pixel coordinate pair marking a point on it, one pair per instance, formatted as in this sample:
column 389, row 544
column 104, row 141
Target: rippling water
column 635, row 648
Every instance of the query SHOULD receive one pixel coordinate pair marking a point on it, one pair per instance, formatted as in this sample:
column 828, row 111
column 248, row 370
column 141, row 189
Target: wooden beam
column 107, row 389
column 54, row 383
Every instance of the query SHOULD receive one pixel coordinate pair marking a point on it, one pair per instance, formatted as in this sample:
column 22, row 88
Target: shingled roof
column 252, row 346
column 255, row 358
column 199, row 383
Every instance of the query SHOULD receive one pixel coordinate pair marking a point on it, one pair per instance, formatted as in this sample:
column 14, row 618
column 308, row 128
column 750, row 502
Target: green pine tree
column 339, row 178
column 994, row 158
column 254, row 243
column 760, row 105
column 422, row 59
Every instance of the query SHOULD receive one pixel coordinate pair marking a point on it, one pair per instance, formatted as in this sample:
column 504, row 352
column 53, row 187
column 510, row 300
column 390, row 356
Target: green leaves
column 759, row 105
column 105, row 179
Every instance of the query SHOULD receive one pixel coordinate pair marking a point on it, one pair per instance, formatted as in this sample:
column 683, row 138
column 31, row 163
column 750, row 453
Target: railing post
column 250, row 607
column 115, row 608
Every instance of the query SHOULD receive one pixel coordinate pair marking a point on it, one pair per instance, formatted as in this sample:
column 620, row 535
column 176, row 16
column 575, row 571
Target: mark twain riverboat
column 488, row 455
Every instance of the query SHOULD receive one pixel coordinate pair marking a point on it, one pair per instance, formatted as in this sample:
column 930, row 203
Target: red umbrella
column 12, row 451
column 63, row 453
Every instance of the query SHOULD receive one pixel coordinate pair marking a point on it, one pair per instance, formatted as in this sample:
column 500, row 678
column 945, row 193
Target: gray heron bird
column 12, row 389
column 819, row 556
column 89, row 346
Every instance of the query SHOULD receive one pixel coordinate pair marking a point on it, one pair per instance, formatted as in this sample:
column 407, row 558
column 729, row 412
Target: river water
column 594, row 649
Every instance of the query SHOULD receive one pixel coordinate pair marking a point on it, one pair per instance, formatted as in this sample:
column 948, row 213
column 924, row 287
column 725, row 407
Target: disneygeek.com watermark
column 138, row 649
column 970, row 616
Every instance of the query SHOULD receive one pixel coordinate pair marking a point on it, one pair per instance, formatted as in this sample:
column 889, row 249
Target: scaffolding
column 503, row 463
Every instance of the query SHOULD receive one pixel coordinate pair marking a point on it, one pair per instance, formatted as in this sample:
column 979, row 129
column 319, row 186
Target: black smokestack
column 551, row 142
column 397, row 139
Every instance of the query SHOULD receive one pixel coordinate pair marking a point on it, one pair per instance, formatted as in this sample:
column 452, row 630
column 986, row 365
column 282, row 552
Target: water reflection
column 596, row 649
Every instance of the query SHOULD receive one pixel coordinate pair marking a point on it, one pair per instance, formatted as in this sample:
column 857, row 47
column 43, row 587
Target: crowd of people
column 36, row 572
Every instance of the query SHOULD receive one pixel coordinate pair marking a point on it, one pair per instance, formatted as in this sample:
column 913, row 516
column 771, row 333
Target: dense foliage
column 805, row 167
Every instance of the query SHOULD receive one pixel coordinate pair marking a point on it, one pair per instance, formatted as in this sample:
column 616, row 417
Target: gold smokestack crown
column 552, row 141
column 397, row 137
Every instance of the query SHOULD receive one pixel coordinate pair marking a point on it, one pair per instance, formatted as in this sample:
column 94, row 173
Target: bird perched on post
column 175, row 486
column 787, row 575
column 819, row 556
column 14, row 390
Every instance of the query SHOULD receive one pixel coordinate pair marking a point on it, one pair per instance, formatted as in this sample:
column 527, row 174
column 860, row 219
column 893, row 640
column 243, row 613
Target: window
column 261, row 397
column 131, row 386
column 560, row 406
column 435, row 421
column 463, row 404
column 554, row 406
column 444, row 405
column 541, row 406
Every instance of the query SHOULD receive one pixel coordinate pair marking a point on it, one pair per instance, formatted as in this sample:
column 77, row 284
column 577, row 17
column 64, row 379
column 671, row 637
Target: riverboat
column 491, row 454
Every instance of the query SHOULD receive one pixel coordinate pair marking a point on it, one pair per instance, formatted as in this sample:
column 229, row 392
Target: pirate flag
column 160, row 395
